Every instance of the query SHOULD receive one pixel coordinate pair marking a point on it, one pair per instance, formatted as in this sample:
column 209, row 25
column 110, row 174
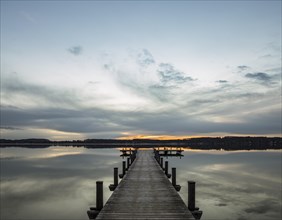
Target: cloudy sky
column 116, row 69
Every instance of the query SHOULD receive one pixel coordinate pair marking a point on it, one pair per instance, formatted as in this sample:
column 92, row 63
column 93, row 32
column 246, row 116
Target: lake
column 59, row 182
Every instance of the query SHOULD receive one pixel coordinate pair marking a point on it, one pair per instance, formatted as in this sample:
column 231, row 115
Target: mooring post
column 162, row 162
column 173, row 173
column 133, row 156
column 93, row 212
column 99, row 195
column 191, row 195
column 191, row 201
column 156, row 153
column 128, row 163
column 123, row 169
column 166, row 170
column 112, row 187
column 116, row 176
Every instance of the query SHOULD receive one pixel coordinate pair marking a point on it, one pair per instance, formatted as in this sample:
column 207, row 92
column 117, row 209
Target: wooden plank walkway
column 145, row 193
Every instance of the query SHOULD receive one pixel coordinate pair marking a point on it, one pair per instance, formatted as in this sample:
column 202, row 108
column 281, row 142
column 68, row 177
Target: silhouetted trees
column 218, row 143
column 236, row 143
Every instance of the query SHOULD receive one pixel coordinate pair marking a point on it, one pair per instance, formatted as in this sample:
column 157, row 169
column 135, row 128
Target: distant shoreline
column 206, row 143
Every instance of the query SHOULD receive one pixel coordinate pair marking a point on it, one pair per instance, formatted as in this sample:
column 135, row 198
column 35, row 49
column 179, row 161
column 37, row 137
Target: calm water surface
column 59, row 182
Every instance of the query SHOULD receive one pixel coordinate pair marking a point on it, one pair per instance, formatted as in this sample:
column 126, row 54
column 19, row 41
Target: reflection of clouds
column 221, row 204
column 220, row 167
column 34, row 188
column 35, row 199
column 264, row 206
column 53, row 152
column 236, row 184
column 59, row 154
column 29, row 153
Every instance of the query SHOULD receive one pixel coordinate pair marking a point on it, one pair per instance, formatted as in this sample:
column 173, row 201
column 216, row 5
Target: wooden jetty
column 145, row 193
column 169, row 151
column 127, row 152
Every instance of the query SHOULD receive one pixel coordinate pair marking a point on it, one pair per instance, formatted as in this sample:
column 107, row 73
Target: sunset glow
column 154, row 137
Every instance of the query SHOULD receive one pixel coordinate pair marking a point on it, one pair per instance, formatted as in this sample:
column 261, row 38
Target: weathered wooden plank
column 145, row 193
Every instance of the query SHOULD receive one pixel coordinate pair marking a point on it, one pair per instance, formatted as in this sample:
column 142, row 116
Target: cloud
column 259, row 76
column 75, row 50
column 243, row 67
column 147, row 79
column 275, row 71
column 96, row 122
column 170, row 76
column 9, row 128
column 265, row 79
column 145, row 58
column 222, row 81
column 266, row 56
column 197, row 102
column 158, row 99
column 28, row 93
column 171, row 110
column 65, row 120
column 161, row 92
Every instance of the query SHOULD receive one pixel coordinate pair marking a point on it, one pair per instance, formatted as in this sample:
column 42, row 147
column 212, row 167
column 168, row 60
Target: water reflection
column 53, row 183
column 233, row 185
column 59, row 182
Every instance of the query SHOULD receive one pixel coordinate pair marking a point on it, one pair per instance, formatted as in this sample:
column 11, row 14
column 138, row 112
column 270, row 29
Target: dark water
column 59, row 182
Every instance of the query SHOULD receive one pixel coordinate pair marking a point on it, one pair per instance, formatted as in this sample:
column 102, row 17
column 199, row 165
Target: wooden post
column 99, row 195
column 173, row 181
column 162, row 162
column 135, row 152
column 128, row 163
column 166, row 170
column 166, row 167
column 156, row 155
column 173, row 173
column 116, row 176
column 133, row 156
column 191, row 201
column 112, row 187
column 123, row 169
column 191, row 195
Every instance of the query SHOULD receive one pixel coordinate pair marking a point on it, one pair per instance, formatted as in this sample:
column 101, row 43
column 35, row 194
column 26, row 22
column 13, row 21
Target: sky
column 125, row 69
